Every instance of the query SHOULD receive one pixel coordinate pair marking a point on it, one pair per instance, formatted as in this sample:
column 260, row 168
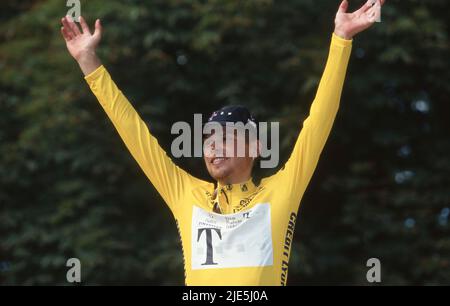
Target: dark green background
column 69, row 188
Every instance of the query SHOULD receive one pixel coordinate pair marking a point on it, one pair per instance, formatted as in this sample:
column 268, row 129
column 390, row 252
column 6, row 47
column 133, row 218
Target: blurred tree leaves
column 69, row 188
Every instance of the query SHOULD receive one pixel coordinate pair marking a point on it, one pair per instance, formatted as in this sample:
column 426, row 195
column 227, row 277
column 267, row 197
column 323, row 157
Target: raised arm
column 81, row 44
column 170, row 181
column 347, row 25
column 298, row 170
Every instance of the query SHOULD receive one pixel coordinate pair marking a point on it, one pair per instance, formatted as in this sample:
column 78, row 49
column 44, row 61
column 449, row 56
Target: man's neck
column 234, row 181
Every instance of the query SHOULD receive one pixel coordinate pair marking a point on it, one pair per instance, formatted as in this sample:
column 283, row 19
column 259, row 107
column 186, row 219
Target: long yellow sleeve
column 167, row 178
column 298, row 170
column 250, row 246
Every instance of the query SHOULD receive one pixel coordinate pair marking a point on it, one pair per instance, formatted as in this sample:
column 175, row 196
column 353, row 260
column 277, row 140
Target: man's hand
column 82, row 44
column 348, row 25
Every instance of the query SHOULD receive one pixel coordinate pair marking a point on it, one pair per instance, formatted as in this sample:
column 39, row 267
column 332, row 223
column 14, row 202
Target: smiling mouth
column 218, row 160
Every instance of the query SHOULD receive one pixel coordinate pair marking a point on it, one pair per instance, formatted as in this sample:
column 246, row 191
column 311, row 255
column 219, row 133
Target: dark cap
column 233, row 113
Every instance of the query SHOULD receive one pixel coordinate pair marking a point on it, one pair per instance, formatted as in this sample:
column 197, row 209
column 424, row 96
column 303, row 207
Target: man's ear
column 258, row 153
column 258, row 148
column 254, row 145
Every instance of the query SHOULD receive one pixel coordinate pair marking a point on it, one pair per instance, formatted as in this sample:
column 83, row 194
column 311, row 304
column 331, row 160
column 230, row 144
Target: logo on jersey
column 242, row 239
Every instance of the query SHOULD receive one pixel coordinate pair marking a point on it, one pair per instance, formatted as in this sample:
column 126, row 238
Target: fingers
column 71, row 30
column 343, row 7
column 67, row 36
column 84, row 25
column 66, row 30
column 378, row 2
column 98, row 28
column 73, row 26
column 366, row 6
column 374, row 13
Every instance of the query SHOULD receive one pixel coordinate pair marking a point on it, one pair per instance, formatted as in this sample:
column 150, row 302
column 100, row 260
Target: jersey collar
column 232, row 198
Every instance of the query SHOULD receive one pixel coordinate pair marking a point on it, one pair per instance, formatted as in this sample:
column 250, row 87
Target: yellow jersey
column 250, row 243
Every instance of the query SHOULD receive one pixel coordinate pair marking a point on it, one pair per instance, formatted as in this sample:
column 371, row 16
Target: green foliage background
column 69, row 188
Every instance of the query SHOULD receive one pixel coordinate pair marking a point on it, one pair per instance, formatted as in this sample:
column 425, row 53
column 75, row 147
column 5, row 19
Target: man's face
column 222, row 161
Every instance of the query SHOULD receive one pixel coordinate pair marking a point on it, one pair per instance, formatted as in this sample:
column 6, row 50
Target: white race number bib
column 242, row 239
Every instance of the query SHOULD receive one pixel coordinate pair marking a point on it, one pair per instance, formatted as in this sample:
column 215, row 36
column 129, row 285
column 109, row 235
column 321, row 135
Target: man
column 232, row 232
